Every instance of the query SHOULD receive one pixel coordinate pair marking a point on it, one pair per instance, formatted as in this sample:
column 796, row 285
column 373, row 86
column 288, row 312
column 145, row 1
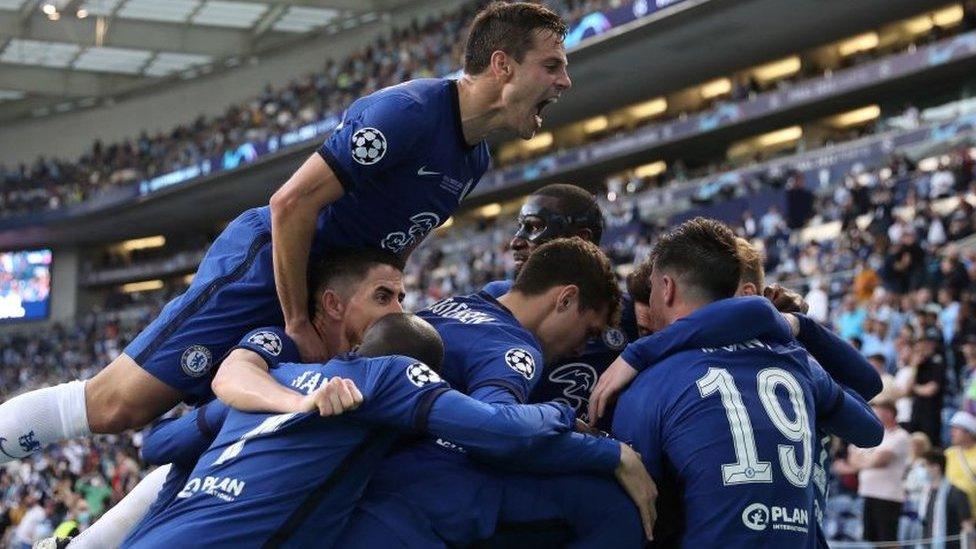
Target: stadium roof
column 63, row 50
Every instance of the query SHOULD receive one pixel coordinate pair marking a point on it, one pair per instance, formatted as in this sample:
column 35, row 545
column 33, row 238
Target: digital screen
column 25, row 284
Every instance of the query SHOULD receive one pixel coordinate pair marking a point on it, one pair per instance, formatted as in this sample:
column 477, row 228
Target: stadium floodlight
column 539, row 142
column 650, row 108
column 948, row 17
column 142, row 286
column 715, row 88
column 49, row 9
column 143, row 243
column 859, row 43
column 779, row 137
column 857, row 116
column 651, row 170
column 490, row 210
column 918, row 25
column 777, row 69
column 597, row 124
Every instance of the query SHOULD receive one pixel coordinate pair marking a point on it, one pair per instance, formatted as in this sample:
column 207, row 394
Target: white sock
column 116, row 524
column 33, row 420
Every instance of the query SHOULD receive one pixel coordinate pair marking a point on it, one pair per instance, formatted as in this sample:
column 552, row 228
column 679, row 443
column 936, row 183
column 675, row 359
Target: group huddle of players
column 548, row 410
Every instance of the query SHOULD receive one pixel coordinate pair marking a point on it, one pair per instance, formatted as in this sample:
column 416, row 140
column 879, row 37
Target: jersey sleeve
column 399, row 392
column 374, row 138
column 720, row 323
column 184, row 439
column 274, row 346
column 498, row 364
column 839, row 358
column 843, row 412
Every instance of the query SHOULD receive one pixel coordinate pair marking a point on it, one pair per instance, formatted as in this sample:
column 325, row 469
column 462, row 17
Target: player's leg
column 122, row 396
column 169, row 360
column 111, row 529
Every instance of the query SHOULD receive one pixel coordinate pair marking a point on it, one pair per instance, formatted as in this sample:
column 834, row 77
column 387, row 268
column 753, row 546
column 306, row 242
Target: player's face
column 381, row 293
column 657, row 320
column 535, row 83
column 532, row 230
column 642, row 311
column 570, row 330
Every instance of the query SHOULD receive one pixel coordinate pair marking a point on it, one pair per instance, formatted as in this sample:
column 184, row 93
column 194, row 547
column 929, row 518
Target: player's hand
column 785, row 300
column 611, row 383
column 333, row 398
column 639, row 485
column 306, row 338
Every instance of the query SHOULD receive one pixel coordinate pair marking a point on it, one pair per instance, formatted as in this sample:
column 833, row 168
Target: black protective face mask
column 554, row 225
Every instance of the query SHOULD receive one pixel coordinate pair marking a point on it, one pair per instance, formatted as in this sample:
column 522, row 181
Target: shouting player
column 395, row 168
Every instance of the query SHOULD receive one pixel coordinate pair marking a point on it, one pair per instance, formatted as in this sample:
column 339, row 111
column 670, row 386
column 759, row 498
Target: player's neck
column 528, row 311
column 481, row 109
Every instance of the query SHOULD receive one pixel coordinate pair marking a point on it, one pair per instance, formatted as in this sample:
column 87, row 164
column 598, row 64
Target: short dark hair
column 572, row 261
column 703, row 253
column 752, row 264
column 936, row 456
column 404, row 334
column 509, row 27
column 578, row 204
column 639, row 282
column 341, row 267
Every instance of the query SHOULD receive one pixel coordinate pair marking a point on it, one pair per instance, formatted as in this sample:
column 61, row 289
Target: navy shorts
column 232, row 293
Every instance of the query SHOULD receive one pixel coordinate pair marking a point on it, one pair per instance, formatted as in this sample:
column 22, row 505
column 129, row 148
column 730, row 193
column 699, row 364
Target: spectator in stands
column 880, row 473
column 960, row 466
column 818, row 301
column 944, row 509
column 928, row 391
column 850, row 322
column 889, row 392
column 916, row 484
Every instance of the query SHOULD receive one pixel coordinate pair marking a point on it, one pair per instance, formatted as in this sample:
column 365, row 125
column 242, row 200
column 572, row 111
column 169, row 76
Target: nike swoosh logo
column 423, row 171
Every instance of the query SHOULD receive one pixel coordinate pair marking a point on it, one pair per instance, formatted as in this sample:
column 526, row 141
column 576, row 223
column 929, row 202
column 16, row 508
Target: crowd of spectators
column 421, row 49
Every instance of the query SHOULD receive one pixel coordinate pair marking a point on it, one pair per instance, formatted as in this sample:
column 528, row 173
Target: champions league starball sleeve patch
column 368, row 146
column 420, row 374
column 521, row 361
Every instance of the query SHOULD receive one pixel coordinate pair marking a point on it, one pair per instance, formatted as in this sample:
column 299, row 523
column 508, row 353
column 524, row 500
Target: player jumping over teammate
column 395, row 168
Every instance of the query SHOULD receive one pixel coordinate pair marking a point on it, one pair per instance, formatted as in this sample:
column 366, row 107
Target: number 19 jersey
column 730, row 430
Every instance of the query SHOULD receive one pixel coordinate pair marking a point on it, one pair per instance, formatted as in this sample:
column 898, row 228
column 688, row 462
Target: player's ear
column 748, row 289
column 501, row 65
column 332, row 305
column 670, row 290
column 567, row 296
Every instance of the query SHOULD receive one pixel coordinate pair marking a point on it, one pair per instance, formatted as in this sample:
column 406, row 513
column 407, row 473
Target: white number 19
column 747, row 467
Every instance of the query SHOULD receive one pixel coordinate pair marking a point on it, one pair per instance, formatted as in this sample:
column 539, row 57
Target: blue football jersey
column 293, row 479
column 401, row 157
column 571, row 380
column 733, row 427
column 485, row 346
column 269, row 472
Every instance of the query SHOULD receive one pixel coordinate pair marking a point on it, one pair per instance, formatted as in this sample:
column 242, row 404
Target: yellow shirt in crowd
column 959, row 476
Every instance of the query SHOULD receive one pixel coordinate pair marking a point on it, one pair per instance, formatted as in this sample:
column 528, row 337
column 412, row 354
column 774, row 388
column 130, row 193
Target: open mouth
column 540, row 106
